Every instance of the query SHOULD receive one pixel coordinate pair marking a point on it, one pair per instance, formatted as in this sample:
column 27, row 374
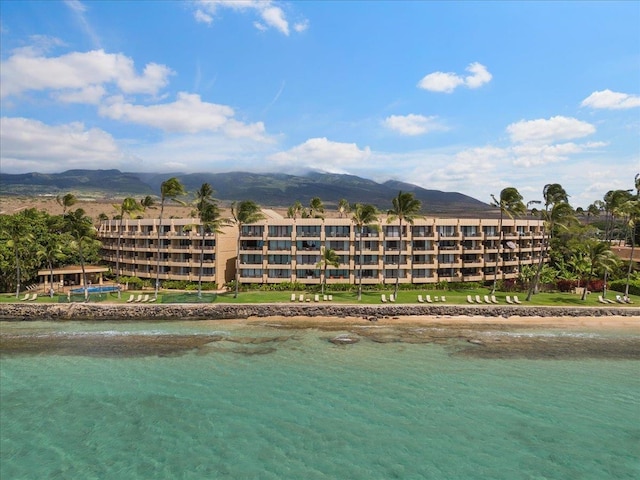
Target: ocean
column 112, row 401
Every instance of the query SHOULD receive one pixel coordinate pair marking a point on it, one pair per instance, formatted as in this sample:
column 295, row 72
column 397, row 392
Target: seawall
column 112, row 312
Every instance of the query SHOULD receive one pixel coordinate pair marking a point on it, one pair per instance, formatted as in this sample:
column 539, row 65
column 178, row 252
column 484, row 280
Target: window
column 251, row 230
column 279, row 259
column 279, row 245
column 337, row 230
column 447, row 230
column 251, row 272
column 308, row 244
column 279, row 273
column 308, row 231
column 469, row 231
column 280, row 230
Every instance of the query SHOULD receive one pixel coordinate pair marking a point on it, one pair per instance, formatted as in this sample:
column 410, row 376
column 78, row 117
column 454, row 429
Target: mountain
column 268, row 189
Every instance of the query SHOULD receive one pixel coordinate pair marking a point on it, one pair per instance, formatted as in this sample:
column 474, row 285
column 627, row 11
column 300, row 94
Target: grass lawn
column 453, row 297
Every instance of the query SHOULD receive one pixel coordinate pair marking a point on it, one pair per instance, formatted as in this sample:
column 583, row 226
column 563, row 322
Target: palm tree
column 510, row 203
column 51, row 252
column 316, row 208
column 327, row 257
column 631, row 209
column 210, row 222
column 600, row 258
column 128, row 206
column 555, row 199
column 81, row 229
column 343, row 207
column 294, row 210
column 243, row 213
column 405, row 208
column 147, row 203
column 66, row 201
column 16, row 231
column 363, row 215
column 170, row 190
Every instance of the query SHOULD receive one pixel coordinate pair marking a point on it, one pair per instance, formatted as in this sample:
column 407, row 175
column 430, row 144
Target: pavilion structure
column 70, row 276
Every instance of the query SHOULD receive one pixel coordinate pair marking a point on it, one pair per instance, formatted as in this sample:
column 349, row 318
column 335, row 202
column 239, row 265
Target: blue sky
column 456, row 96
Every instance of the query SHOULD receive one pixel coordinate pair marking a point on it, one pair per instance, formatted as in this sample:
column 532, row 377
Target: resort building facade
column 279, row 249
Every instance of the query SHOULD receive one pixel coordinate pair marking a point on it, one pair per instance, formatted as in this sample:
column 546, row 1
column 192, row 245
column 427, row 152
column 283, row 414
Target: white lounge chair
column 627, row 300
column 316, row 298
column 494, row 299
column 383, row 298
column 152, row 299
column 508, row 300
column 138, row 299
column 443, row 298
column 33, row 297
column 486, row 299
column 25, row 298
column 619, row 299
column 131, row 298
column 420, row 299
column 392, row 298
column 478, row 299
column 301, row 298
column 515, row 299
column 145, row 299
column 293, row 297
column 330, row 297
column 601, row 299
column 325, row 298
column 470, row 299
column 427, row 299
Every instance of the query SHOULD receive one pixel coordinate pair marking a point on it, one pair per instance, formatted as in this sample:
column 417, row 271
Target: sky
column 468, row 97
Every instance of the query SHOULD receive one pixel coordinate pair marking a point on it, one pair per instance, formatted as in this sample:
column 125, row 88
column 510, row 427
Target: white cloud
column 447, row 82
column 543, row 131
column 412, row 124
column 89, row 95
column 188, row 114
column 611, row 100
column 321, row 154
column 78, row 71
column 30, row 145
column 271, row 15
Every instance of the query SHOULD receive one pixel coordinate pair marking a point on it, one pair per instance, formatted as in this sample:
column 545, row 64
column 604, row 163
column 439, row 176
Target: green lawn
column 368, row 298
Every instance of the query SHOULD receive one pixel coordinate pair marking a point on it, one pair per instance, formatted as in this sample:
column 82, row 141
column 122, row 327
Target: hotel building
column 279, row 249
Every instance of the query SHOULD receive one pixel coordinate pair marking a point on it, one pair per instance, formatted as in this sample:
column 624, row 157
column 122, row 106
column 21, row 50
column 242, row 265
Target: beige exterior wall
column 280, row 249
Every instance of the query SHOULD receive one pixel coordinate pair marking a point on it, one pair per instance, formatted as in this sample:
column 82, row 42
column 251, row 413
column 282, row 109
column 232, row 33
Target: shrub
column 620, row 285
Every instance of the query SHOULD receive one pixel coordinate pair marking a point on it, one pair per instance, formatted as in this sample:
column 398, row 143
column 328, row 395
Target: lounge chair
column 420, row 299
column 427, row 299
column 33, row 297
column 494, row 299
column 478, row 299
column 330, row 297
column 627, row 300
column 26, row 297
column 383, row 298
column 470, row 299
column 392, row 298
column 316, row 298
column 301, row 298
column 145, row 299
column 516, row 299
column 325, row 298
column 293, row 297
column 138, row 299
column 443, row 298
column 601, row 299
column 131, row 298
column 508, row 300
column 486, row 299
column 619, row 299
column 152, row 299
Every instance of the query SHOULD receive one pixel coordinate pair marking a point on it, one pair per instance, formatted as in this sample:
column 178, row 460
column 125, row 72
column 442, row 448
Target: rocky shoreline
column 115, row 312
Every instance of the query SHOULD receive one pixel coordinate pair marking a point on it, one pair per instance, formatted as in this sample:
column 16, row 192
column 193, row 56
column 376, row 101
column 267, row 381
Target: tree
column 17, row 234
column 170, row 190
column 81, row 229
column 343, row 207
column 405, row 208
column 66, row 201
column 243, row 213
column 316, row 208
column 510, row 203
column 556, row 201
column 128, row 207
column 631, row 210
column 600, row 258
column 294, row 210
column 364, row 215
column 210, row 222
column 147, row 203
column 327, row 257
column 51, row 252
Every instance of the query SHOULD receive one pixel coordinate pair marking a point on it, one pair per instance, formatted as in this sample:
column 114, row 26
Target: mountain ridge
column 267, row 189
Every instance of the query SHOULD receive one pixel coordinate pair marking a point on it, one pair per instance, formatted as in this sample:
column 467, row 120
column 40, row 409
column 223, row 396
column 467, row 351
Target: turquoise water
column 303, row 408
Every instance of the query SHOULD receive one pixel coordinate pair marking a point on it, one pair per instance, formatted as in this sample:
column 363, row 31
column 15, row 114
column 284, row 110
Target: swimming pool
column 97, row 289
